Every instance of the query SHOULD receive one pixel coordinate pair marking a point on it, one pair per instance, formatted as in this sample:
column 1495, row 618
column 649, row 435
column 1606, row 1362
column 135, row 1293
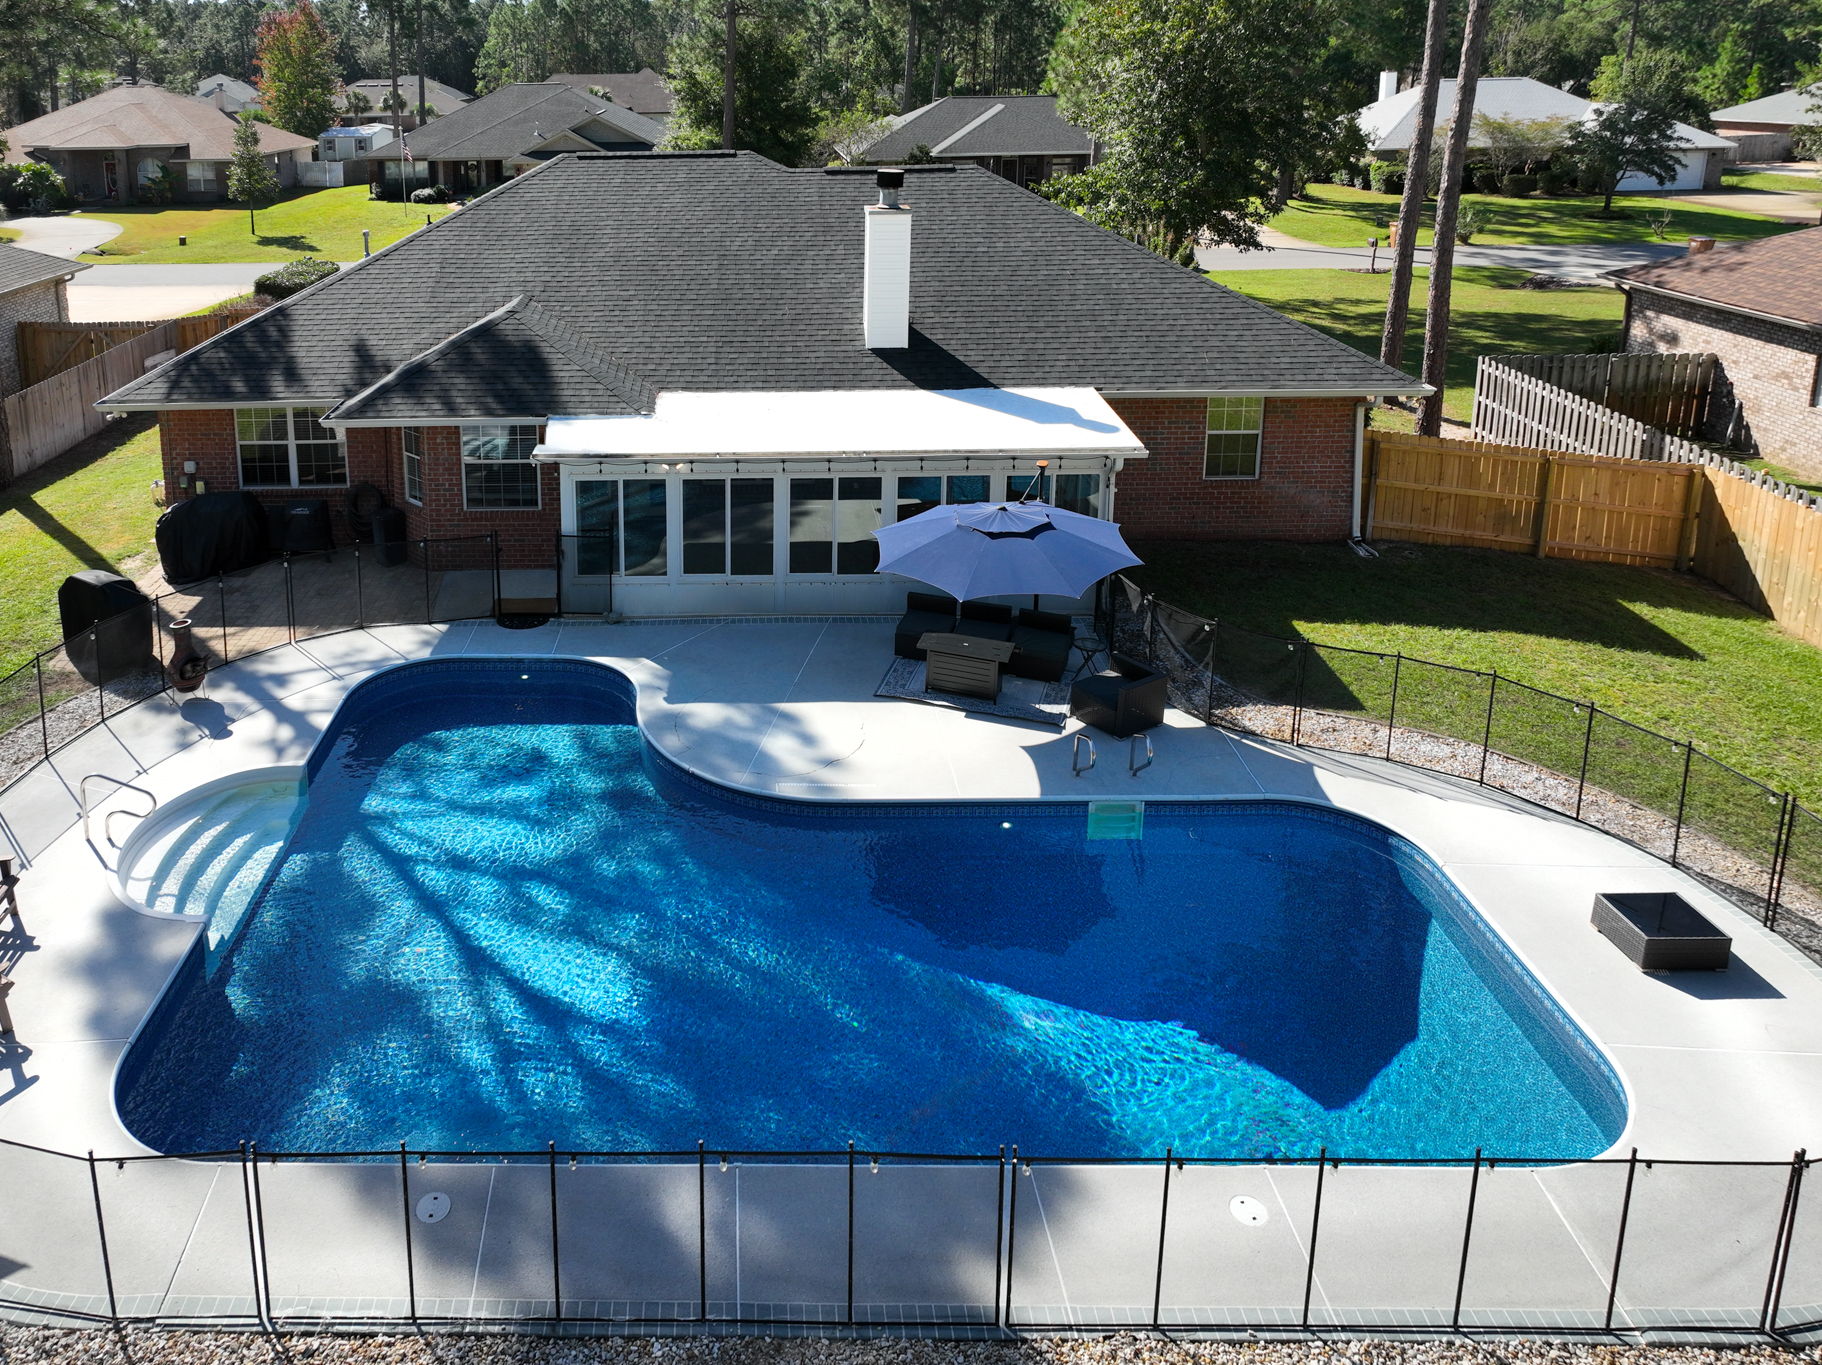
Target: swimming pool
column 502, row 919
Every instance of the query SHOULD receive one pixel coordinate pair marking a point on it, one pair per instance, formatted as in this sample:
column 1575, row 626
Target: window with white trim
column 289, row 448
column 497, row 472
column 1815, row 387
column 1232, row 441
column 411, row 442
column 199, row 177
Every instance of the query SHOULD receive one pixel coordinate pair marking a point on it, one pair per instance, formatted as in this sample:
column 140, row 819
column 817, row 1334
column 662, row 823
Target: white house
column 1391, row 121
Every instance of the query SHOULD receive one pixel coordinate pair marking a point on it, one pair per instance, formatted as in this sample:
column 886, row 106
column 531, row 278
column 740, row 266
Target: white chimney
column 1388, row 84
column 886, row 282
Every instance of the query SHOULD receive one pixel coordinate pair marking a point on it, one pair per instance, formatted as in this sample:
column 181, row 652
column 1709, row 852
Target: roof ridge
column 424, row 357
column 626, row 383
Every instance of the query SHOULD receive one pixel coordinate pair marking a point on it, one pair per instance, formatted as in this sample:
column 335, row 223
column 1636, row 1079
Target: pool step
column 1116, row 819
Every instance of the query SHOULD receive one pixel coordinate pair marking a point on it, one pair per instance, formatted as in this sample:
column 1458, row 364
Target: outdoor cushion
column 984, row 630
column 924, row 612
column 1033, row 619
column 987, row 611
column 1039, row 652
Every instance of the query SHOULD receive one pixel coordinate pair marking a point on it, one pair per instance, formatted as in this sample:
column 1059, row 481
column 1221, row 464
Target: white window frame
column 527, row 433
column 199, row 177
column 1223, row 416
column 411, row 463
column 1815, row 386
column 291, row 444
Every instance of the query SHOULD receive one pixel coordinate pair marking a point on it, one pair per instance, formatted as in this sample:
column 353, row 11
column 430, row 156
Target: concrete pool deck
column 1718, row 1067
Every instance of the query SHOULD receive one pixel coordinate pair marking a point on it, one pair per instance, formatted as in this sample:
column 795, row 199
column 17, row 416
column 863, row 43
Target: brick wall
column 527, row 539
column 1306, row 474
column 1767, row 372
column 48, row 302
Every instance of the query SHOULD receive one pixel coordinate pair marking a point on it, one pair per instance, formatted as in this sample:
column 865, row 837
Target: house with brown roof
column 114, row 145
column 1757, row 307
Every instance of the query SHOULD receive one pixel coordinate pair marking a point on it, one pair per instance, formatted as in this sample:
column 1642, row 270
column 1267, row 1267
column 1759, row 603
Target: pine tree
column 251, row 178
column 297, row 75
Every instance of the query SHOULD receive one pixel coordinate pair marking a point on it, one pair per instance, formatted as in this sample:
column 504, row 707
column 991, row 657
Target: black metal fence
column 961, row 1245
column 1756, row 845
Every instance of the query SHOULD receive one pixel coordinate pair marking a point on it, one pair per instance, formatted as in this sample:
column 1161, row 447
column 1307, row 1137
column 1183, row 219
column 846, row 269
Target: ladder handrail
column 1075, row 753
column 1132, row 753
column 82, row 798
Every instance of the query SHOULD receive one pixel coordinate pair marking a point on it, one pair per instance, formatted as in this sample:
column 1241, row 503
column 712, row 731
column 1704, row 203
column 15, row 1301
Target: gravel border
column 48, row 1346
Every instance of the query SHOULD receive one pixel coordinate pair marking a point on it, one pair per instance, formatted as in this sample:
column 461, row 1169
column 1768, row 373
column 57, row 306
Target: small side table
column 1661, row 932
column 966, row 665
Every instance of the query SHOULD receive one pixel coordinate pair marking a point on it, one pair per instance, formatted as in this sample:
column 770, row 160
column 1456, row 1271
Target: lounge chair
column 1126, row 701
column 1042, row 641
column 985, row 621
column 924, row 612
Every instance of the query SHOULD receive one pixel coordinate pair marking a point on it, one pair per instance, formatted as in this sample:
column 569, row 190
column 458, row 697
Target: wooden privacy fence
column 1514, row 408
column 47, row 419
column 1670, row 391
column 1540, row 502
column 47, row 349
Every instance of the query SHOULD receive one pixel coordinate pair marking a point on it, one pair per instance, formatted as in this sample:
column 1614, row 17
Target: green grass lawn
column 1663, row 650
column 322, row 223
column 1490, row 316
column 91, row 509
column 1335, row 215
column 1771, row 180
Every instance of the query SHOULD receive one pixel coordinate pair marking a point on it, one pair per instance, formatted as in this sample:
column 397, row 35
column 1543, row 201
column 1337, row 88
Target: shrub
column 1518, row 186
column 1385, row 177
column 1806, row 141
column 1550, row 183
column 432, row 194
column 1471, row 219
column 1487, row 182
column 36, row 188
column 293, row 277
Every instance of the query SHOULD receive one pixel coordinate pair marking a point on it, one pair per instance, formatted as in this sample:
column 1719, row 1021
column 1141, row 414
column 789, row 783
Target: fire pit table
column 1661, row 932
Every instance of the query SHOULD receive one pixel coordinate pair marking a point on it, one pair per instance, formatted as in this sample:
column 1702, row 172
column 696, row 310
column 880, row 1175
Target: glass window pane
column 857, row 550
column 597, row 525
column 812, row 525
column 1079, row 493
column 262, row 424
column 643, row 530
column 1235, row 414
column 918, row 493
column 1018, row 485
column 750, row 520
column 1235, row 455
column 507, row 486
column 705, row 529
column 265, row 466
column 321, row 462
column 968, row 488
column 485, row 443
column 411, row 440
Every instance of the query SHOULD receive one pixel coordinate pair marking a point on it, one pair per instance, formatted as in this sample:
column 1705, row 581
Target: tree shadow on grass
column 291, row 242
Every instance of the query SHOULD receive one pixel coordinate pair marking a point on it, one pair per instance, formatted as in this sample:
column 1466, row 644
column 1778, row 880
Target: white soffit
column 854, row 422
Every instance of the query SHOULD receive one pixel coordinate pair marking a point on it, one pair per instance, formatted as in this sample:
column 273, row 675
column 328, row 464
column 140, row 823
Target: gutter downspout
column 1360, row 411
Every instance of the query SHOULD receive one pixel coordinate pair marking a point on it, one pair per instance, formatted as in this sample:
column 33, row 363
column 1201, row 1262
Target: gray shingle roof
column 1794, row 106
column 644, row 91
column 20, row 269
column 984, row 125
column 515, row 119
column 724, row 271
column 440, row 96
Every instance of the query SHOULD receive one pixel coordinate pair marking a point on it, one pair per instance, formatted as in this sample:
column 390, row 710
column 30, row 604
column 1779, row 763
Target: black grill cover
column 107, row 626
column 300, row 528
column 212, row 534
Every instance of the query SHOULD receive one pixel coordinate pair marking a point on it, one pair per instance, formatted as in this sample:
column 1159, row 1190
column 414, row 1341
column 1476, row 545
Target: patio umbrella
column 993, row 549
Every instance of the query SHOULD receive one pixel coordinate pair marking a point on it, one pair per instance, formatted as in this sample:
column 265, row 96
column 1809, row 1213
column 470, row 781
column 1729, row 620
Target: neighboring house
column 442, row 99
column 32, row 289
column 1758, row 307
column 643, row 91
column 111, row 145
column 1762, row 127
column 352, row 144
column 1019, row 137
column 1391, row 122
column 227, row 94
column 508, row 131
column 731, row 374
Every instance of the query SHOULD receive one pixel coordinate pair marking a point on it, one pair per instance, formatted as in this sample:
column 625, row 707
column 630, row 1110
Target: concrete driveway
column 1588, row 262
column 145, row 293
column 65, row 234
column 1788, row 205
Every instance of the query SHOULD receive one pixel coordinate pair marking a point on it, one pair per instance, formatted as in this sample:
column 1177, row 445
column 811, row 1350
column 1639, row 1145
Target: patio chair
column 1124, row 702
column 985, row 621
column 924, row 612
column 1042, row 641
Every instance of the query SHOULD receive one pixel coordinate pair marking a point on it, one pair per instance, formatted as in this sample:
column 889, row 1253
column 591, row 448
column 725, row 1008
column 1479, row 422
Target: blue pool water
column 501, row 920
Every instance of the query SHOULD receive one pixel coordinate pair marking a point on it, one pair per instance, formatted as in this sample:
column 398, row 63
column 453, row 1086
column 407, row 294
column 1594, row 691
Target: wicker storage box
column 1661, row 932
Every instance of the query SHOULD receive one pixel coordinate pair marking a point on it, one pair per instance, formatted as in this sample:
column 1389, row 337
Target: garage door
column 1690, row 166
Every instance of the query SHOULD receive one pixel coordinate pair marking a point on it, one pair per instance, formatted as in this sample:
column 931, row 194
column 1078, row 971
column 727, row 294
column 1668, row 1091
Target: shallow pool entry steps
column 1116, row 819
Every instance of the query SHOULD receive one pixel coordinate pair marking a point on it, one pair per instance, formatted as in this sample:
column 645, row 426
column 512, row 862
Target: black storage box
column 214, row 533
column 389, row 536
column 107, row 626
column 299, row 527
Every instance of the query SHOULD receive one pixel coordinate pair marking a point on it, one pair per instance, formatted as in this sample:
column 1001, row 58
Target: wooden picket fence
column 1669, row 392
column 47, row 349
column 1534, row 501
column 48, row 418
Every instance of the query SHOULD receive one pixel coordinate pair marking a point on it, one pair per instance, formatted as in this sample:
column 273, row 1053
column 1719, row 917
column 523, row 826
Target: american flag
column 405, row 143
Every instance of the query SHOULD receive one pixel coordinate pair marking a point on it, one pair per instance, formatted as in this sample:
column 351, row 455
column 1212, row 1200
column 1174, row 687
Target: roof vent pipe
column 1388, row 84
column 886, row 281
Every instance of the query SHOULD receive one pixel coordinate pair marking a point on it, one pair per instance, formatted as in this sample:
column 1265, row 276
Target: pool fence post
column 360, row 597
column 702, row 1234
column 1682, row 802
column 246, row 1192
column 424, row 557
column 1780, row 1255
column 101, row 1233
column 259, row 1220
column 999, row 1229
column 1619, row 1243
column 556, row 1249
column 44, row 727
column 1780, row 857
column 1303, row 668
column 1151, row 628
column 101, row 692
column 1581, row 779
column 493, row 539
column 1486, row 734
column 1391, row 715
column 851, row 1228
column 1157, row 1285
column 1467, row 1234
column 1012, row 1230
column 221, row 605
column 411, row 1273
column 1309, row 1278
column 290, row 600
column 1214, row 641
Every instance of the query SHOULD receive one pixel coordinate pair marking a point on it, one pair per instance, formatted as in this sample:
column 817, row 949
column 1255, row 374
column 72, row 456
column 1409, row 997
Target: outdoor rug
column 1041, row 703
